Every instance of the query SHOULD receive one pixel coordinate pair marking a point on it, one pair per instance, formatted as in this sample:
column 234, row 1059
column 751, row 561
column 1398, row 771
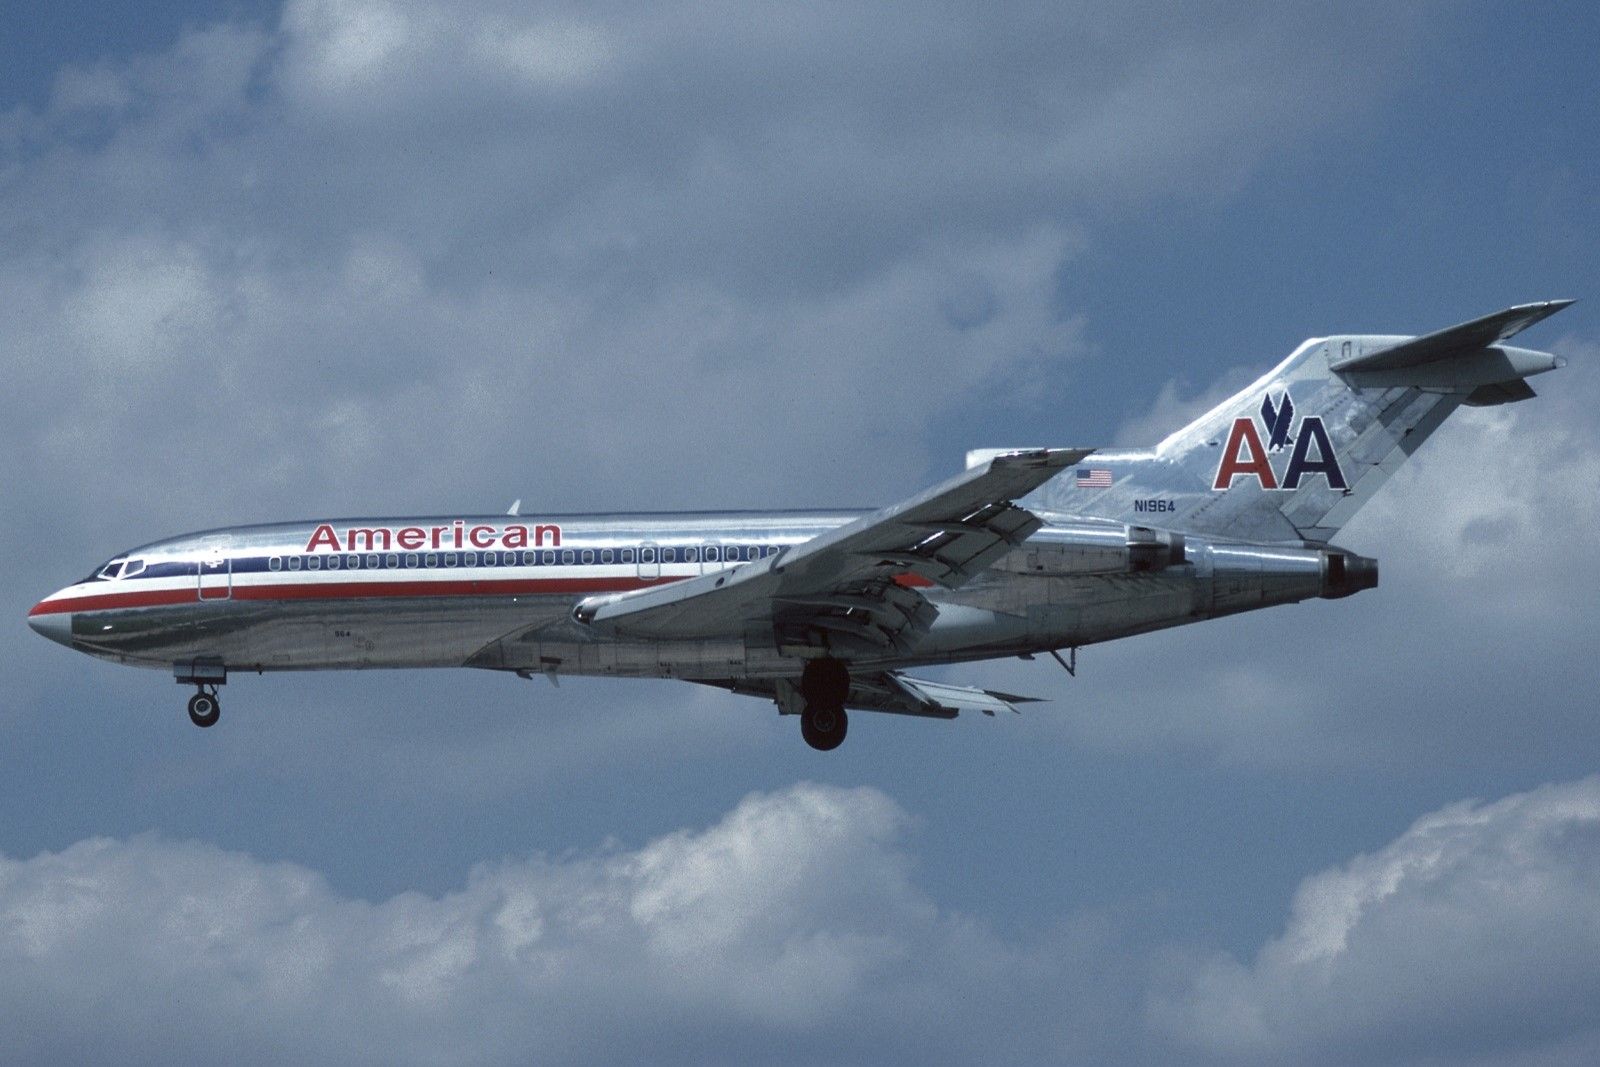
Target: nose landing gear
column 205, row 675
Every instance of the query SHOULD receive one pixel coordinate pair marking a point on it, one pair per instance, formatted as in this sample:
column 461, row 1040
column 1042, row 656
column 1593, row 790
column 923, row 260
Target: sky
column 267, row 261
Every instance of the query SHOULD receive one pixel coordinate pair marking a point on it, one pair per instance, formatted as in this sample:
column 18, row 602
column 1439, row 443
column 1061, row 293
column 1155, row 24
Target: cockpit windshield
column 111, row 570
column 121, row 567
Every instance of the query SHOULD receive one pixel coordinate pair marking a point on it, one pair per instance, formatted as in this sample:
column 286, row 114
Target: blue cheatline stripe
column 364, row 561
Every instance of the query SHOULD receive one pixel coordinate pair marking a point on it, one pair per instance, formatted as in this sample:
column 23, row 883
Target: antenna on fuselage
column 516, row 507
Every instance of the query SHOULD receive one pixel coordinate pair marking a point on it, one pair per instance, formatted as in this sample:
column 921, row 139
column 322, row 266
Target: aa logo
column 1246, row 455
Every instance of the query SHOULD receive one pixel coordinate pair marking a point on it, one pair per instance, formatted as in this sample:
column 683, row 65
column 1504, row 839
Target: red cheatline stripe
column 151, row 599
column 348, row 591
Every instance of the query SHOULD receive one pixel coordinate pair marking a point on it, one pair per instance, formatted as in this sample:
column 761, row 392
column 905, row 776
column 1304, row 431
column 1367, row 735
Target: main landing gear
column 825, row 684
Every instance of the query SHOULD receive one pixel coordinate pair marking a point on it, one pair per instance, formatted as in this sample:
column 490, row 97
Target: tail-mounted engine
column 1345, row 573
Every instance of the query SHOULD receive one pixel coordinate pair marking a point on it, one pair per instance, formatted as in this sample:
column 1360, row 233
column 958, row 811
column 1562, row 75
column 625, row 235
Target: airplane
column 1026, row 552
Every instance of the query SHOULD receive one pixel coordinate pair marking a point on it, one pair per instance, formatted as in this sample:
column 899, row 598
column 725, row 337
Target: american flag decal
column 1096, row 478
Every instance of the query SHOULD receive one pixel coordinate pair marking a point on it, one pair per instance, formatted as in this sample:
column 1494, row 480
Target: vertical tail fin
column 1293, row 456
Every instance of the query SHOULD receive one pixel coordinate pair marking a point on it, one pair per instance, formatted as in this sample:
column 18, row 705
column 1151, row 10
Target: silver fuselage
column 498, row 592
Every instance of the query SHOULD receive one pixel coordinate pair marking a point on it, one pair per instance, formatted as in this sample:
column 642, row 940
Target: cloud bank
column 789, row 931
column 793, row 930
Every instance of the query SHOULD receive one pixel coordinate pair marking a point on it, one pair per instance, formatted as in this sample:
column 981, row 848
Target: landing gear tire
column 824, row 727
column 204, row 709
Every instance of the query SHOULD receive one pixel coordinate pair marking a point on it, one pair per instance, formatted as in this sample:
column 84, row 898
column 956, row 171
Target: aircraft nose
column 56, row 625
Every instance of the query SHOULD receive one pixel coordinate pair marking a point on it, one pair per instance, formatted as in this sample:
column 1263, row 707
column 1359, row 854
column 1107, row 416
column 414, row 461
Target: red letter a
column 324, row 537
column 1244, row 438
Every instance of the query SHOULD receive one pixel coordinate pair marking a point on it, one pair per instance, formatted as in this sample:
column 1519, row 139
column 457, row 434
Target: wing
column 856, row 583
column 896, row 693
column 1467, row 337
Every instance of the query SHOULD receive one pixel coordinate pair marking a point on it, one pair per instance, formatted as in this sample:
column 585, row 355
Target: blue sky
column 351, row 257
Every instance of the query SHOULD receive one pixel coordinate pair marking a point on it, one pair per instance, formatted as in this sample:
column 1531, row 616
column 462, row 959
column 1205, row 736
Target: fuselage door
column 649, row 561
column 216, row 578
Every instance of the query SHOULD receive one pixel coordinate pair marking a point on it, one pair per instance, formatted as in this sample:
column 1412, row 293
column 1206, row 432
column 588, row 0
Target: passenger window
column 548, row 557
column 411, row 559
column 647, row 555
column 449, row 559
column 372, row 562
column 333, row 562
column 469, row 559
column 711, row 553
column 566, row 555
column 606, row 555
column 627, row 555
column 392, row 560
column 689, row 553
column 274, row 563
column 668, row 555
column 294, row 563
column 313, row 563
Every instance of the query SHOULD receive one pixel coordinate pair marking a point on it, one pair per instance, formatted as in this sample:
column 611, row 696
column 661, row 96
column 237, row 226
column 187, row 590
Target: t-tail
column 1295, row 455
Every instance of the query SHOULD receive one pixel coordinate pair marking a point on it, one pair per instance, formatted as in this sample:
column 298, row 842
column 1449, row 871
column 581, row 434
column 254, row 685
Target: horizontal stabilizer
column 1487, row 396
column 1468, row 337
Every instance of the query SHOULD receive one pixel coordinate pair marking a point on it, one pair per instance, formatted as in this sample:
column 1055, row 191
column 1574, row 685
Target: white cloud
column 1175, row 406
column 1471, row 936
column 1492, row 503
column 793, row 930
column 789, row 931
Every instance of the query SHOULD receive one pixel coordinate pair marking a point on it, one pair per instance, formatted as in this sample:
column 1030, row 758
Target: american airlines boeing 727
column 1027, row 551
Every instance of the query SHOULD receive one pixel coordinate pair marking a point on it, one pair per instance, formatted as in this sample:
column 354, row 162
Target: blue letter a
column 1326, row 463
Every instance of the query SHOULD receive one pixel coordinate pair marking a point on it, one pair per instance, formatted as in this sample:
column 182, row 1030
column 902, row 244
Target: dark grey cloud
column 385, row 239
